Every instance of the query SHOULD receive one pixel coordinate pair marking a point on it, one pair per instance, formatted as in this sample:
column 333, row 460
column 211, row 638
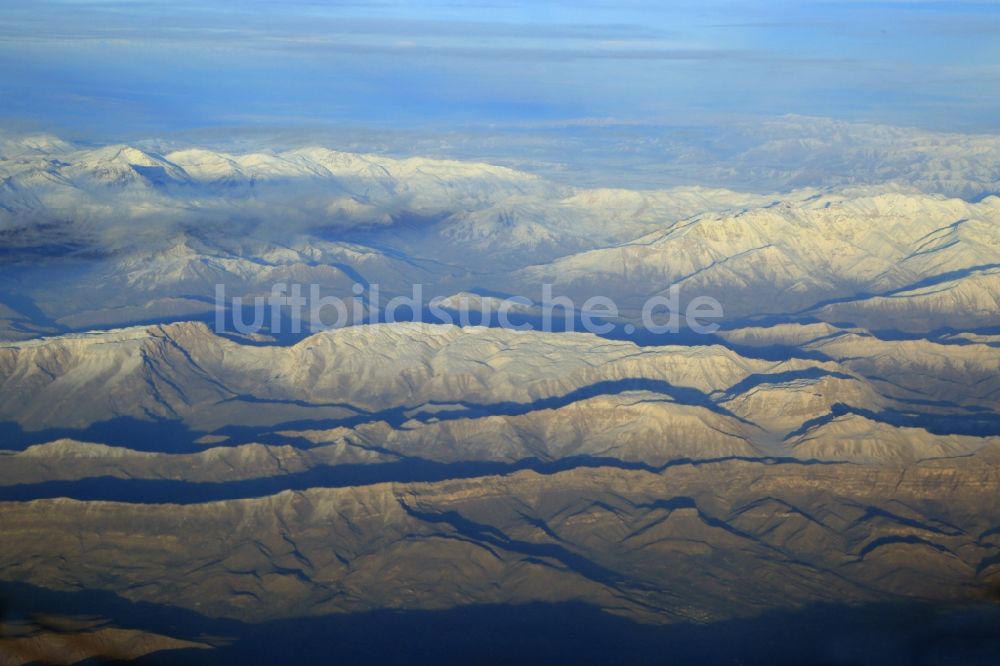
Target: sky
column 121, row 69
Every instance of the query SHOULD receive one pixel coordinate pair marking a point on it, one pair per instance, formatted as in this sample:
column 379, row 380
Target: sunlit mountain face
column 426, row 333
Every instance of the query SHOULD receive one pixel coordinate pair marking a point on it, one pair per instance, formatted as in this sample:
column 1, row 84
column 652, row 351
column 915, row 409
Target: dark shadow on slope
column 919, row 284
column 491, row 536
column 168, row 436
column 409, row 470
column 770, row 352
column 284, row 336
column 753, row 381
column 159, row 436
column 909, row 539
column 937, row 334
column 638, row 336
column 912, row 634
column 680, row 394
column 974, row 423
column 986, row 563
column 680, row 502
column 873, row 513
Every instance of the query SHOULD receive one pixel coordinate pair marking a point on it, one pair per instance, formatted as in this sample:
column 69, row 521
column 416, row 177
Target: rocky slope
column 836, row 441
column 417, row 467
column 387, row 372
column 690, row 542
column 794, row 257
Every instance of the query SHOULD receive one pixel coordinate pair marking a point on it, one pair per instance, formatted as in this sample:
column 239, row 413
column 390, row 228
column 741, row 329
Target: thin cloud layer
column 138, row 68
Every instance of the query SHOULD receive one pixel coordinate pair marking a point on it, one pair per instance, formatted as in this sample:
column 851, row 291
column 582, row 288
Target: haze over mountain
column 148, row 236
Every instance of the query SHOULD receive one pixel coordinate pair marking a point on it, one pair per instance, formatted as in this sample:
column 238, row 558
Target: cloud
column 94, row 21
column 194, row 64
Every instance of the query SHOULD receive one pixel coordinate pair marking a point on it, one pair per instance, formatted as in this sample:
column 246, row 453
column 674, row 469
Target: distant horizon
column 96, row 69
column 767, row 155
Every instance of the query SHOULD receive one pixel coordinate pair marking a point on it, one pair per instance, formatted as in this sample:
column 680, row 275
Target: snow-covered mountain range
column 147, row 237
column 836, row 440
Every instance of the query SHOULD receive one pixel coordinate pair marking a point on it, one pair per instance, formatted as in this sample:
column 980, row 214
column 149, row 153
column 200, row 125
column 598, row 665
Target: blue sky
column 103, row 68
